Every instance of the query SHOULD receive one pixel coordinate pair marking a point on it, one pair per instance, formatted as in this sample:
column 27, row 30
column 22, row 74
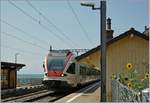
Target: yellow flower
column 129, row 85
column 146, row 76
column 129, row 66
column 113, row 76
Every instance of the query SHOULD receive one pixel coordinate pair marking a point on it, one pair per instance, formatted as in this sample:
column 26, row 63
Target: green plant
column 130, row 79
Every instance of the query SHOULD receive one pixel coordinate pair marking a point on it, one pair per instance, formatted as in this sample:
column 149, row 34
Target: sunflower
column 129, row 66
column 129, row 85
column 113, row 76
column 146, row 76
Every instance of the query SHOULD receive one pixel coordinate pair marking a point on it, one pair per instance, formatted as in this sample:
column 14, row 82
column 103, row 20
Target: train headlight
column 63, row 75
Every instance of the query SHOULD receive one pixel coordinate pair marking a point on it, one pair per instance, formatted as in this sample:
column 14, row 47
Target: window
column 71, row 69
column 56, row 63
column 82, row 70
column 87, row 70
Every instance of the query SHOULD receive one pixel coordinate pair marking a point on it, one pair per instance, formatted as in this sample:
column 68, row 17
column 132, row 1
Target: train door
column 71, row 72
column 77, row 72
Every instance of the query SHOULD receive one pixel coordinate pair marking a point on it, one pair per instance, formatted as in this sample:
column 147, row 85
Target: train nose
column 55, row 73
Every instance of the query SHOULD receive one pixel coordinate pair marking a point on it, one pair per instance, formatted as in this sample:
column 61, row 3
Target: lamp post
column 103, row 45
column 15, row 82
column 16, row 54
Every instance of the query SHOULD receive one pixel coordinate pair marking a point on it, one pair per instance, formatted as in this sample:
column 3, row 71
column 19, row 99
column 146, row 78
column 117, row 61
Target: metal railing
column 121, row 93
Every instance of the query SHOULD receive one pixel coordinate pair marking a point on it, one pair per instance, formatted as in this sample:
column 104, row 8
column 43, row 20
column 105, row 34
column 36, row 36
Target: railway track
column 41, row 96
column 51, row 98
column 28, row 97
column 20, row 91
column 56, row 96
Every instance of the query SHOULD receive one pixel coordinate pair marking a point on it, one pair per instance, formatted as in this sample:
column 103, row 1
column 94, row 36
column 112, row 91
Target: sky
column 30, row 27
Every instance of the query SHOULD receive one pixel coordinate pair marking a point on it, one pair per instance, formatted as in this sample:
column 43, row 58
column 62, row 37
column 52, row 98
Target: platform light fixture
column 87, row 4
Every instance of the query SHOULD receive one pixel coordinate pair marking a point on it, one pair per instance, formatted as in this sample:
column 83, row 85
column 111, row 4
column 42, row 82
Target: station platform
column 90, row 93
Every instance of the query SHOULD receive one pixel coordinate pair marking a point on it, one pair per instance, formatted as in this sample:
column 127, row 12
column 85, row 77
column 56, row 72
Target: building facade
column 129, row 47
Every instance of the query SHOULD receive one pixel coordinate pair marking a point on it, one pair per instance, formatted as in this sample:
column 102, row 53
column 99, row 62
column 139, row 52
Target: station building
column 129, row 47
column 9, row 74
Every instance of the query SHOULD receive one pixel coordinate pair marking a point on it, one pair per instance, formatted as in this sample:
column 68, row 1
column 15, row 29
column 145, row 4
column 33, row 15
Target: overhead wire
column 50, row 22
column 21, row 50
column 60, row 38
column 24, row 32
column 20, row 39
column 36, row 20
column 23, row 11
column 77, row 19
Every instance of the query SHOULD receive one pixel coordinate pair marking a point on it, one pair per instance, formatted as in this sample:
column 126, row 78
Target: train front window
column 56, row 64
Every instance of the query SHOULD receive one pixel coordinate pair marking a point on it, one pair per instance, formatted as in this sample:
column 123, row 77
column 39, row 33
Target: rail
column 21, row 91
column 28, row 97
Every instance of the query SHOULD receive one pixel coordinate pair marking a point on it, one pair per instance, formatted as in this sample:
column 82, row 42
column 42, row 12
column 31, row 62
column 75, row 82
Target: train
column 62, row 70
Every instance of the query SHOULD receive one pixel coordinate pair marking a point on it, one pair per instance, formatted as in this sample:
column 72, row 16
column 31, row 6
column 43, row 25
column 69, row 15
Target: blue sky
column 124, row 14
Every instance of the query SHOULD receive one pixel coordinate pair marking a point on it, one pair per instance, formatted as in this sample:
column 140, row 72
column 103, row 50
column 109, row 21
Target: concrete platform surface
column 90, row 93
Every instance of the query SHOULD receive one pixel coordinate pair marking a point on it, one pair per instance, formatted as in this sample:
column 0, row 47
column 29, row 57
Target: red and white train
column 62, row 70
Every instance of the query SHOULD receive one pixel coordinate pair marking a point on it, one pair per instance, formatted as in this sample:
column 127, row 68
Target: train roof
column 58, row 52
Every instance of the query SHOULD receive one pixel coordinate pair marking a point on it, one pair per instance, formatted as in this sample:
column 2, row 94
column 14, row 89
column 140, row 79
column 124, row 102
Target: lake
column 30, row 76
column 29, row 79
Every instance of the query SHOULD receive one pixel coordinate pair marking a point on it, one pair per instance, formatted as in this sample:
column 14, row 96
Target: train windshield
column 56, row 63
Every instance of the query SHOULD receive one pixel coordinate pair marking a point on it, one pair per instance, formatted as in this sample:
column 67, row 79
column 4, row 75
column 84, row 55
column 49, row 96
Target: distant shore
column 29, row 79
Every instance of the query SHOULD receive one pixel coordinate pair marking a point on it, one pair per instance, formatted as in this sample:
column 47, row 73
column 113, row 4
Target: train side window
column 71, row 69
column 82, row 70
